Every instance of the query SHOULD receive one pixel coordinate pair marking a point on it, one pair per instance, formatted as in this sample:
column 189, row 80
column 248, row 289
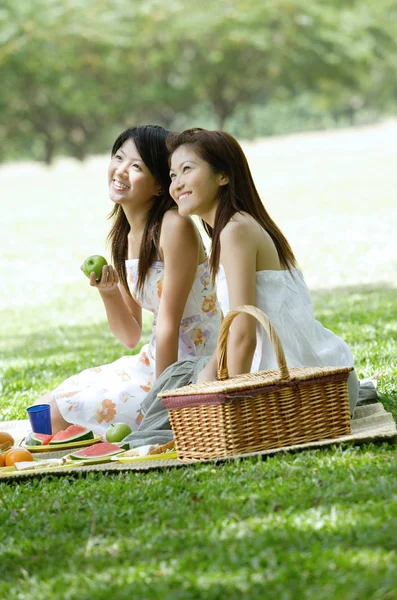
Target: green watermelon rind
column 87, row 435
column 73, row 457
column 31, row 440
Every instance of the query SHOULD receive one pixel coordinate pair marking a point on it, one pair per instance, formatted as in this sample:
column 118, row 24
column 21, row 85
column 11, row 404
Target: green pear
column 94, row 263
column 117, row 432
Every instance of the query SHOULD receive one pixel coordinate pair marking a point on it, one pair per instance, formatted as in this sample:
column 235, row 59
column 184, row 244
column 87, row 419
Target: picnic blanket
column 155, row 426
column 371, row 423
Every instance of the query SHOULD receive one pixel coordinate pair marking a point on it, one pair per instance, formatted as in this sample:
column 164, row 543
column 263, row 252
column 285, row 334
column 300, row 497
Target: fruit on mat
column 17, row 455
column 2, row 460
column 74, row 433
column 38, row 439
column 6, row 439
column 117, row 432
column 98, row 451
column 94, row 263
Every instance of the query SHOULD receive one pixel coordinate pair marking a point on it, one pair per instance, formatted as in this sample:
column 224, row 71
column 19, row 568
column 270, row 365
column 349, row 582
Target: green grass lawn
column 319, row 524
column 312, row 525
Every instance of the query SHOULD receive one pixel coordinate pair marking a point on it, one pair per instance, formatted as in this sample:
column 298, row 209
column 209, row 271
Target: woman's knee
column 57, row 420
column 46, row 399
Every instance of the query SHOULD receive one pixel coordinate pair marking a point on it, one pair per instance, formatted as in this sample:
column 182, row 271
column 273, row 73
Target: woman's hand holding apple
column 109, row 279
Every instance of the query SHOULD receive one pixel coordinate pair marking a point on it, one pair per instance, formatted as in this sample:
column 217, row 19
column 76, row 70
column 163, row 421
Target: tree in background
column 74, row 73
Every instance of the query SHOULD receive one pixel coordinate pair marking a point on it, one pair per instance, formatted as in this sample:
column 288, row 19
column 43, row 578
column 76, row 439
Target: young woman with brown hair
column 210, row 178
column 159, row 265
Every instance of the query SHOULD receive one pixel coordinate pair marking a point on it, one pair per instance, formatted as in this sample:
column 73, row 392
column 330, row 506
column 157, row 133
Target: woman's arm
column 123, row 313
column 180, row 245
column 238, row 257
column 210, row 371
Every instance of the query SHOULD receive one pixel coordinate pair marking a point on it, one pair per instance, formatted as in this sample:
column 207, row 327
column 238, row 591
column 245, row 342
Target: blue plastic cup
column 40, row 418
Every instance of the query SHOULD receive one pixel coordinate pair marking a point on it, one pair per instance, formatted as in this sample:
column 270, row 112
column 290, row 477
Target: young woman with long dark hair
column 159, row 265
column 251, row 257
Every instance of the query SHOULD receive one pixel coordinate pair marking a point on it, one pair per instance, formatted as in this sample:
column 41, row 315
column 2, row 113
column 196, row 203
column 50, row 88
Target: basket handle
column 263, row 319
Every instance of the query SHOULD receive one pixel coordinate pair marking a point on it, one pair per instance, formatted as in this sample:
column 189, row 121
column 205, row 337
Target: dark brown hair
column 150, row 142
column 225, row 155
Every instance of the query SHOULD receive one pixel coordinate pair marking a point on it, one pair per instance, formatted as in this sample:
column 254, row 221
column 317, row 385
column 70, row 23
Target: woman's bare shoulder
column 178, row 231
column 172, row 218
column 239, row 226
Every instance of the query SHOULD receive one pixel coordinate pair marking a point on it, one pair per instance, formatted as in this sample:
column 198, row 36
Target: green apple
column 117, row 432
column 94, row 264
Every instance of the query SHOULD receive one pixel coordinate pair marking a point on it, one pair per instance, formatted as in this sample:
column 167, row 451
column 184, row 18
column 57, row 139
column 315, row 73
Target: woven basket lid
column 250, row 381
column 281, row 376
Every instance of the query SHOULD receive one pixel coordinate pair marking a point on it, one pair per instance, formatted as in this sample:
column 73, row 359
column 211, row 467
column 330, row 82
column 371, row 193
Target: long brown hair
column 150, row 141
column 225, row 155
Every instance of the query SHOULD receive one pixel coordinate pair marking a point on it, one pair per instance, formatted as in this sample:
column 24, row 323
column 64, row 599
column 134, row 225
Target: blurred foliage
column 74, row 72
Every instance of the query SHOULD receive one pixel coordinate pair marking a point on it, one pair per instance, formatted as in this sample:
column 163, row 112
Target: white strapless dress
column 285, row 298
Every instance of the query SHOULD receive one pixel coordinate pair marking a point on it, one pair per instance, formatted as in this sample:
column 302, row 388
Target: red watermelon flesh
column 38, row 439
column 74, row 433
column 97, row 451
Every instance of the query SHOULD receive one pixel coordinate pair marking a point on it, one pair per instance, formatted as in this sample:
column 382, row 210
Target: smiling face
column 130, row 181
column 194, row 184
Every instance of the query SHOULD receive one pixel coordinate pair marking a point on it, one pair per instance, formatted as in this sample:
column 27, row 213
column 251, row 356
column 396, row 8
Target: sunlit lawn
column 319, row 524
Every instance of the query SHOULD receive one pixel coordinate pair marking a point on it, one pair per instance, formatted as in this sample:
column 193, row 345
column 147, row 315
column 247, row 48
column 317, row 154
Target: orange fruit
column 6, row 438
column 17, row 455
column 2, row 460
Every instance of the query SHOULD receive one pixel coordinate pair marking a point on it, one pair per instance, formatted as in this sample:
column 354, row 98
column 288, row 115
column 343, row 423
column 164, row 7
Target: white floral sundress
column 113, row 393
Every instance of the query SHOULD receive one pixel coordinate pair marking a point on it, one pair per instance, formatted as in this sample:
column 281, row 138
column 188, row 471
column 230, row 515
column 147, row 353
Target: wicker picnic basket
column 258, row 411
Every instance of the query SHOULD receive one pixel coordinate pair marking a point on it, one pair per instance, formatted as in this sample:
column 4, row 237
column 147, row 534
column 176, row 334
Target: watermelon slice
column 99, row 450
column 38, row 439
column 74, row 433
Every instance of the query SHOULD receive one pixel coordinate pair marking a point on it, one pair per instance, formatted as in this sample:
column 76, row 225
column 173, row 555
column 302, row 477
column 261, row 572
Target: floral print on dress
column 73, row 406
column 107, row 412
column 205, row 280
column 199, row 337
column 146, row 388
column 124, row 375
column 139, row 417
column 210, row 305
column 144, row 359
column 113, row 393
column 126, row 397
column 69, row 394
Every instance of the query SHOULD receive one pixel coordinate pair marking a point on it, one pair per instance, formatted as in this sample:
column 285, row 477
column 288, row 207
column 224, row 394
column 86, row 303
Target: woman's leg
column 57, row 421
